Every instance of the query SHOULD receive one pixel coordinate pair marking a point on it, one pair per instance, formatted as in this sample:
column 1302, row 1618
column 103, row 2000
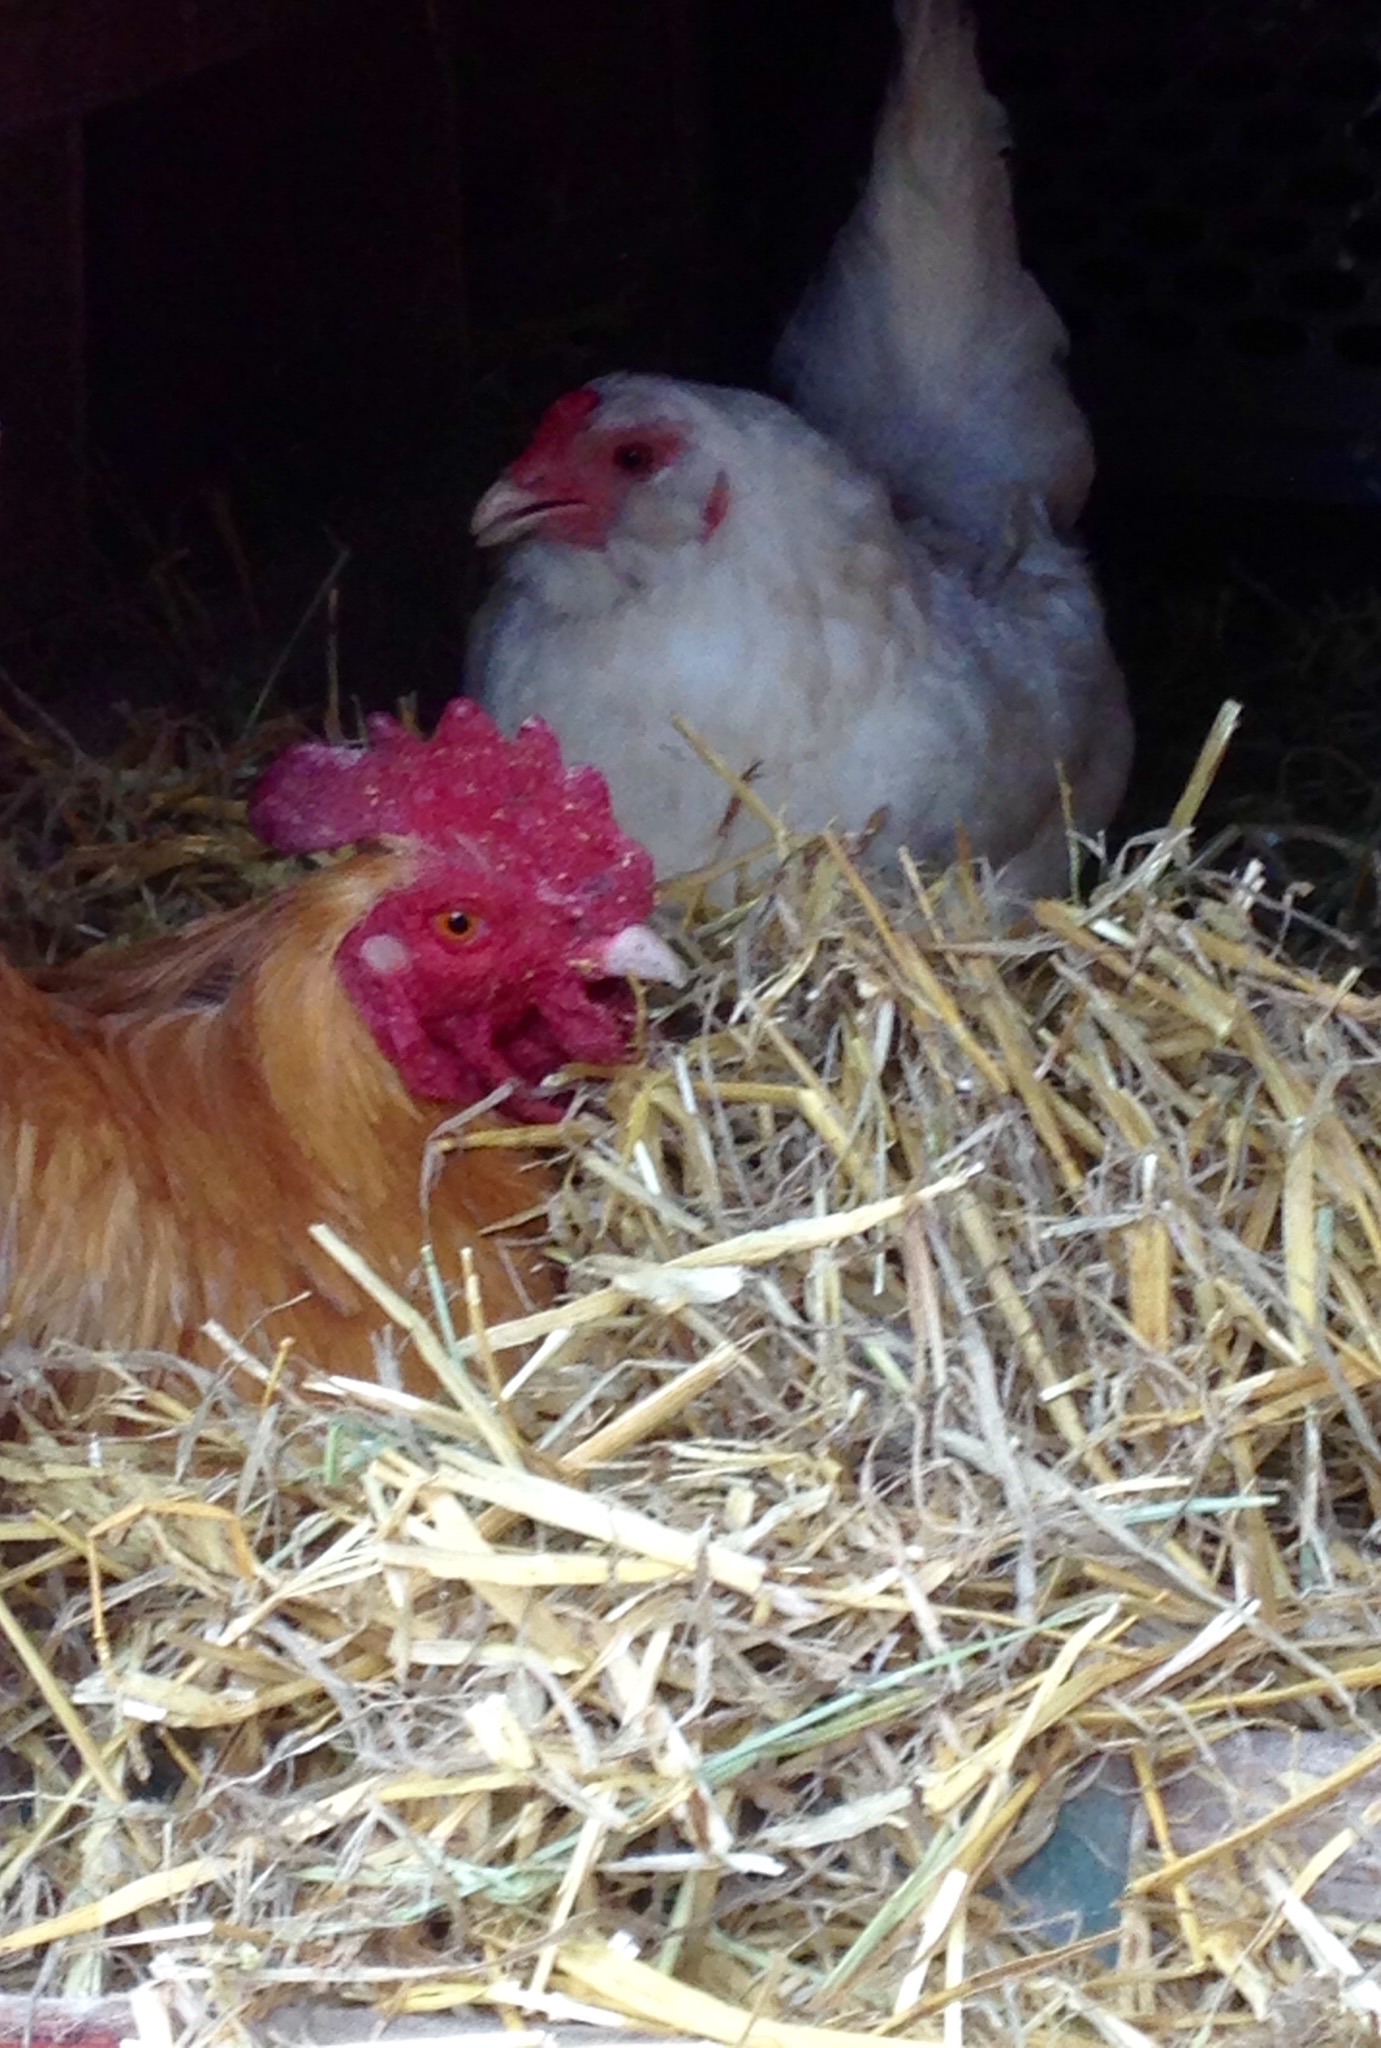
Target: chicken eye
column 635, row 458
column 457, row 925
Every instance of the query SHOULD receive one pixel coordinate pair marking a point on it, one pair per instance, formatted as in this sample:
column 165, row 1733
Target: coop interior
column 917, row 1579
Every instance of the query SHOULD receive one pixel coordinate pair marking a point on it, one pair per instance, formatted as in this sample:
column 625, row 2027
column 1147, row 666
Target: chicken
column 174, row 1117
column 868, row 604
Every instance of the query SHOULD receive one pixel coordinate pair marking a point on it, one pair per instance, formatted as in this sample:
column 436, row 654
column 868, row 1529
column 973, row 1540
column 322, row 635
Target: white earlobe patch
column 384, row 955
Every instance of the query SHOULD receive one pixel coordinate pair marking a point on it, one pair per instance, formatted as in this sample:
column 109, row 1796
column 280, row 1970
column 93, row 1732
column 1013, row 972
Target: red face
column 470, row 978
column 574, row 478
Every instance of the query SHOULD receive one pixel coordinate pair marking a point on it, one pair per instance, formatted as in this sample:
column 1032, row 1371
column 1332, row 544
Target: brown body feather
column 173, row 1120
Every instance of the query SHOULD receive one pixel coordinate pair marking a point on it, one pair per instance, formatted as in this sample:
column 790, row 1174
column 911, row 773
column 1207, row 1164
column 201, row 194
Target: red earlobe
column 716, row 508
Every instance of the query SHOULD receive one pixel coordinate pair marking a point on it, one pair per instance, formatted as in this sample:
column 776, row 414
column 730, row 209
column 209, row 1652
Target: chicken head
column 606, row 461
column 503, row 953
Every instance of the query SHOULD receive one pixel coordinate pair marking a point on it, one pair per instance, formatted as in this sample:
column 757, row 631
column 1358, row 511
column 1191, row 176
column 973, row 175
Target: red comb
column 468, row 784
column 563, row 420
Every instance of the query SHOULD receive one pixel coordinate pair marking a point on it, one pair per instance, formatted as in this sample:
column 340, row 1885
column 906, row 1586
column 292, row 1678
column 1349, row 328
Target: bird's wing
column 192, row 969
column 925, row 348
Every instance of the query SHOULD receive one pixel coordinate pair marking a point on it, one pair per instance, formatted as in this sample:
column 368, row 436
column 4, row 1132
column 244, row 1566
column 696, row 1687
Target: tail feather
column 925, row 348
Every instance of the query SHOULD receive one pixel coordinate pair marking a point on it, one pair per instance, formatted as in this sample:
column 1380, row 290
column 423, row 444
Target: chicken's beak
column 508, row 510
column 638, row 950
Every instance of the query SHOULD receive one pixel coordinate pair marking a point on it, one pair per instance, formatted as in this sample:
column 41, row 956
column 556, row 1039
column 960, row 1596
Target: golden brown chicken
column 174, row 1117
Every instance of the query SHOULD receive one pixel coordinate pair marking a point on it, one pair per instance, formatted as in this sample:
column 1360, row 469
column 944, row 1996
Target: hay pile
column 127, row 844
column 967, row 1379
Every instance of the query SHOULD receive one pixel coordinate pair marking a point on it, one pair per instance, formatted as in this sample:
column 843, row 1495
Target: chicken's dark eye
column 457, row 925
column 635, row 458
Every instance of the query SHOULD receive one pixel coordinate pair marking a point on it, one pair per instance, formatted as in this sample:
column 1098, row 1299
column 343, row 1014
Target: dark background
column 284, row 294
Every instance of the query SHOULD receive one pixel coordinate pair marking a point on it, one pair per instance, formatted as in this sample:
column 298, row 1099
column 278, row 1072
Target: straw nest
column 966, row 1379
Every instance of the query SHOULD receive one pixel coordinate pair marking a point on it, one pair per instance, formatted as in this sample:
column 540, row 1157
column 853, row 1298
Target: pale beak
column 507, row 511
column 638, row 950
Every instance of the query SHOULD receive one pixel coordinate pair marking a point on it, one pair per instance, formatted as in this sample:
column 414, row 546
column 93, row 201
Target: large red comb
column 467, row 783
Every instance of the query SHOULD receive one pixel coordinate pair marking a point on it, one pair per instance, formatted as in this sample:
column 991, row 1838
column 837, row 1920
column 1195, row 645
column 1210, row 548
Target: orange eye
column 457, row 925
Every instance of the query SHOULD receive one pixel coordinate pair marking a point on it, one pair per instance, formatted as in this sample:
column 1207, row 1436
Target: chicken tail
column 925, row 348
